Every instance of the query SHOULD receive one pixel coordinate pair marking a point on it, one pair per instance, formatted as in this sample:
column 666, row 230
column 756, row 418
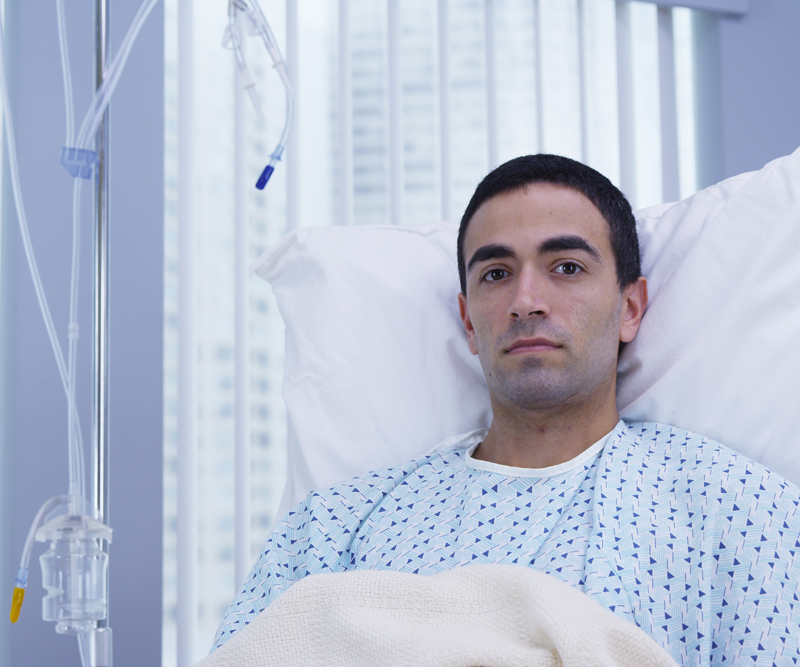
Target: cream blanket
column 482, row 615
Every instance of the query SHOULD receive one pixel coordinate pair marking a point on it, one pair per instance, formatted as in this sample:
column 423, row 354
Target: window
column 476, row 82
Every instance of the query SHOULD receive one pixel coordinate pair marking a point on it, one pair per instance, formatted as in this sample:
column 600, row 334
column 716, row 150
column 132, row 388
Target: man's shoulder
column 673, row 443
column 446, row 454
column 659, row 437
column 678, row 452
column 364, row 491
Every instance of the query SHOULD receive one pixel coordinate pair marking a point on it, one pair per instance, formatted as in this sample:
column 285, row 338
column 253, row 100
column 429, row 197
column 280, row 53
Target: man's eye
column 494, row 275
column 568, row 268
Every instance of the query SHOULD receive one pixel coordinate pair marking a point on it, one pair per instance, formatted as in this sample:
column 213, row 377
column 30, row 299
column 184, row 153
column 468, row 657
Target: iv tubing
column 21, row 582
column 65, row 73
column 111, row 76
column 256, row 15
column 236, row 45
column 81, row 651
column 272, row 47
column 23, row 223
column 280, row 65
column 22, row 575
column 77, row 484
column 26, row 241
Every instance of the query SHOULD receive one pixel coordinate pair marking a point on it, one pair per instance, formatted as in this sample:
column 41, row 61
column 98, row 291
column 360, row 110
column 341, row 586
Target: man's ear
column 463, row 311
column 634, row 302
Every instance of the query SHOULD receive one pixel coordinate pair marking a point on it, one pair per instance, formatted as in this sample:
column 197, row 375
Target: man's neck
column 528, row 439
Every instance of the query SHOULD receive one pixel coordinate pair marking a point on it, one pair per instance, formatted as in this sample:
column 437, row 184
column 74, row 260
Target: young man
column 546, row 300
column 695, row 544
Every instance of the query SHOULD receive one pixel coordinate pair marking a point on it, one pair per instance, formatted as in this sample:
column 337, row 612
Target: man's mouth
column 531, row 345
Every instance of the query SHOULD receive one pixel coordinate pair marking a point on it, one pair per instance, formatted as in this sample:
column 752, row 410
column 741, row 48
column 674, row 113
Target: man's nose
column 529, row 298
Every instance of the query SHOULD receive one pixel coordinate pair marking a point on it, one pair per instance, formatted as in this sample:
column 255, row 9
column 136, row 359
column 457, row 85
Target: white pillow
column 377, row 365
column 717, row 350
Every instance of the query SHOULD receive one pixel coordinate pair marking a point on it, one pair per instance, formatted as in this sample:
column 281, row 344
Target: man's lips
column 531, row 345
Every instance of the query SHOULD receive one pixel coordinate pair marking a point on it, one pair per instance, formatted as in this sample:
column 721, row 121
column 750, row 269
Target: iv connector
column 79, row 162
column 74, row 572
column 262, row 180
column 16, row 603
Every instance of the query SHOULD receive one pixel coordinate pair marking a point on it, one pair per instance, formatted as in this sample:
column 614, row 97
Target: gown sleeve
column 316, row 536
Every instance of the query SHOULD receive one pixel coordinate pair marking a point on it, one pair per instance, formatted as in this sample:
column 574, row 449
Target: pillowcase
column 717, row 349
column 377, row 368
column 377, row 365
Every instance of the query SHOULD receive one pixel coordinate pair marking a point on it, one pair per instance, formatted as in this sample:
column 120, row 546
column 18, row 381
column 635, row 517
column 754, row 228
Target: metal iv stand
column 101, row 644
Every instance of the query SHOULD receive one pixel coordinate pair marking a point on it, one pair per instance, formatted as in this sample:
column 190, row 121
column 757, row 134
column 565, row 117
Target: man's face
column 543, row 308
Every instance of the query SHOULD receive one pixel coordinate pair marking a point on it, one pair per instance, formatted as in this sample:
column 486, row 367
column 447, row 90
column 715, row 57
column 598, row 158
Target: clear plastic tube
column 22, row 574
column 66, row 73
column 87, row 132
column 272, row 46
column 26, row 240
column 77, row 484
column 111, row 76
column 232, row 36
column 21, row 582
column 278, row 152
column 256, row 16
column 81, row 650
column 91, row 121
column 280, row 65
column 23, row 223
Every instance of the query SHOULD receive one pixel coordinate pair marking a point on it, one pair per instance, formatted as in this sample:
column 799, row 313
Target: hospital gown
column 691, row 541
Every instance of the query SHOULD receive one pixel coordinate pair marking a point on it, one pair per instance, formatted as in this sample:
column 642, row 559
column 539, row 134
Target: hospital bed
column 378, row 371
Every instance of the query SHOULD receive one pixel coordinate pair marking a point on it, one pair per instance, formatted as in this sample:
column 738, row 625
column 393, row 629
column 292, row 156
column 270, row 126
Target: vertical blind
column 402, row 106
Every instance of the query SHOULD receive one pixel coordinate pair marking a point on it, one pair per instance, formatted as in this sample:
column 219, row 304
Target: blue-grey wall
column 760, row 84
column 748, row 91
column 35, row 464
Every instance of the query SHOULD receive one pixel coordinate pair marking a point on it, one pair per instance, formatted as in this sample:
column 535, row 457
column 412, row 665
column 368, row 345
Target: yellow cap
column 16, row 603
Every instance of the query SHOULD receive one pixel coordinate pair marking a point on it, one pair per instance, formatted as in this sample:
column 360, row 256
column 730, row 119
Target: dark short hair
column 516, row 174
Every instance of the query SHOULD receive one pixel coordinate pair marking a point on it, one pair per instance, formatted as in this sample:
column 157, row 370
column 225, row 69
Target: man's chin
column 541, row 393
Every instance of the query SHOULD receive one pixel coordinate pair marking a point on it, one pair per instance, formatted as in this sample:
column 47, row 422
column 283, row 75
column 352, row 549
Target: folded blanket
column 482, row 615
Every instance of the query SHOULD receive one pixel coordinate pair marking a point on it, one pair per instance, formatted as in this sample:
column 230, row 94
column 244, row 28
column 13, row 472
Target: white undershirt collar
column 550, row 471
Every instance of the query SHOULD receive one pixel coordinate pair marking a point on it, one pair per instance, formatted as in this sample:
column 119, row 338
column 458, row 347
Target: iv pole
column 100, row 462
column 100, row 361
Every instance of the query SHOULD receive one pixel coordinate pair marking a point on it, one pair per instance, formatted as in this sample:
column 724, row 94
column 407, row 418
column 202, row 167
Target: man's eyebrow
column 561, row 243
column 491, row 251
